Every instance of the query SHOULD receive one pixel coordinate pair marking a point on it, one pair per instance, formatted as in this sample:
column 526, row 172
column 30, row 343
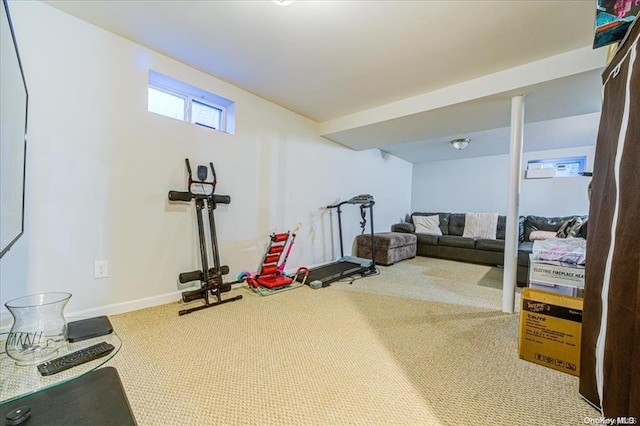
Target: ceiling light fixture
column 283, row 2
column 460, row 143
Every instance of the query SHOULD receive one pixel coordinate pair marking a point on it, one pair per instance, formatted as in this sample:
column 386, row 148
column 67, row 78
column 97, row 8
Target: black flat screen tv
column 14, row 101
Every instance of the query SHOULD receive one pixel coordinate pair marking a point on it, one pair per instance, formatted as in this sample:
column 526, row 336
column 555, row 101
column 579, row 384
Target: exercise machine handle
column 364, row 199
column 213, row 173
column 186, row 277
column 179, row 196
column 199, row 293
column 221, row 199
column 333, row 206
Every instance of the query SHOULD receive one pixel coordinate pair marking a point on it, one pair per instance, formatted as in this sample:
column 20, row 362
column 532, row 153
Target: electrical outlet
column 101, row 269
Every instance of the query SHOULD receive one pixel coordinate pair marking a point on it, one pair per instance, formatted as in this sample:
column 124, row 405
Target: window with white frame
column 175, row 99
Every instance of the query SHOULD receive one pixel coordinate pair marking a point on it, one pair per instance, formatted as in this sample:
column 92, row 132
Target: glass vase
column 38, row 329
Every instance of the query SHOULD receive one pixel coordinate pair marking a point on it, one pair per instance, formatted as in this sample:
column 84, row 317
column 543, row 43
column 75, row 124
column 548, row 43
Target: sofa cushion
column 403, row 227
column 541, row 235
column 539, row 223
column 444, row 219
column 480, row 225
column 456, row 241
column 521, row 220
column 501, row 228
column 490, row 245
column 427, row 224
column 456, row 224
column 428, row 239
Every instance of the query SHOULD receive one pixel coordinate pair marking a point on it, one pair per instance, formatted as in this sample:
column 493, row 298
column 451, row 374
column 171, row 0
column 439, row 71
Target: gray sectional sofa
column 452, row 245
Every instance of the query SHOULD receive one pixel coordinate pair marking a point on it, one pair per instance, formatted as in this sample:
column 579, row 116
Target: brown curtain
column 610, row 349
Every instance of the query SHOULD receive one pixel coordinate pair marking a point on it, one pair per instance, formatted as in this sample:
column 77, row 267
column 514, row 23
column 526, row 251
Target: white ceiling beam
column 551, row 68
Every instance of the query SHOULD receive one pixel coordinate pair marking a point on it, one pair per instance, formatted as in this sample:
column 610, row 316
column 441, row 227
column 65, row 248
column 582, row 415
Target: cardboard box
column 567, row 290
column 549, row 272
column 550, row 330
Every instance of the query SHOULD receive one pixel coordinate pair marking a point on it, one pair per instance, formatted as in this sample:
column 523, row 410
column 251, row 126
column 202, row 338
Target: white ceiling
column 402, row 76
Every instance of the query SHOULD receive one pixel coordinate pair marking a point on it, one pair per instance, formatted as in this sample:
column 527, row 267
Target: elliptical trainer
column 211, row 280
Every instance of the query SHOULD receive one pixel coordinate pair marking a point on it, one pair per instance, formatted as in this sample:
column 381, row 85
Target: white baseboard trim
column 6, row 319
column 128, row 306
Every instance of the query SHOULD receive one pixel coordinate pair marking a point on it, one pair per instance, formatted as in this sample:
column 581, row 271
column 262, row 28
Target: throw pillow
column 480, row 225
column 427, row 224
column 541, row 235
column 570, row 228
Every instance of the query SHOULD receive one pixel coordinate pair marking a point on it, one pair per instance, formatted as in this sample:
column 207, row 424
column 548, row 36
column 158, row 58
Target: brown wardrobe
column 610, row 349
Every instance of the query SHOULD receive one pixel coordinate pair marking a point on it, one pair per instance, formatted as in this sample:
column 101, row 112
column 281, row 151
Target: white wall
column 99, row 167
column 471, row 184
column 480, row 185
column 558, row 196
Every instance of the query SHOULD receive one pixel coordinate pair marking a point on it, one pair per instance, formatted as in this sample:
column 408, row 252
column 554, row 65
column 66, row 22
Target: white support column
column 511, row 232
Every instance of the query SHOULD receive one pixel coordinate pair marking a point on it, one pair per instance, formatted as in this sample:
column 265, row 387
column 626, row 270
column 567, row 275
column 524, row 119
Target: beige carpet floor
column 422, row 343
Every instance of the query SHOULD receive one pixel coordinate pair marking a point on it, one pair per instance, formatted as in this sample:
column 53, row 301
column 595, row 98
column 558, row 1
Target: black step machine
column 211, row 281
column 348, row 266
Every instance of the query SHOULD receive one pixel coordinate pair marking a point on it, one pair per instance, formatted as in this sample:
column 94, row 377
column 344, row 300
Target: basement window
column 175, row 99
column 556, row 167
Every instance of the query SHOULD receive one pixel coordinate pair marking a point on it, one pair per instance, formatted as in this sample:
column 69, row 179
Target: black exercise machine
column 211, row 281
column 348, row 266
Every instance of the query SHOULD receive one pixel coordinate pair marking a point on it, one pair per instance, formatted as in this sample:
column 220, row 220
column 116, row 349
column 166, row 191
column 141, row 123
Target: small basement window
column 556, row 167
column 175, row 99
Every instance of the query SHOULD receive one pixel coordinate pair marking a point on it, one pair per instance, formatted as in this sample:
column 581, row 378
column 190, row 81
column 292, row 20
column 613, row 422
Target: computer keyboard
column 75, row 358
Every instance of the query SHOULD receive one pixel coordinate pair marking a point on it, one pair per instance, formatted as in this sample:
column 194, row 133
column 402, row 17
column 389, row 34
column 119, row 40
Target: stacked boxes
column 550, row 330
column 556, row 277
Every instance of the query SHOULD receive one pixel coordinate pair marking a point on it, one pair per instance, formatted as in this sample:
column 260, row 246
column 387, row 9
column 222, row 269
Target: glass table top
column 20, row 380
